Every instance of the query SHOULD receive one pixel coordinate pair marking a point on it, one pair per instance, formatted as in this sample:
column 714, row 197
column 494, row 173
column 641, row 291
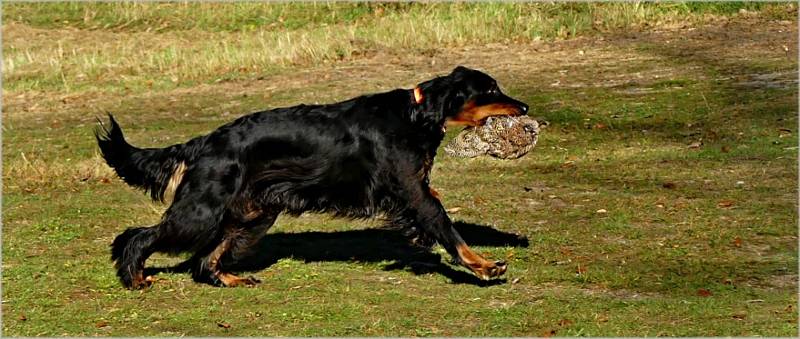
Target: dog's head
column 463, row 97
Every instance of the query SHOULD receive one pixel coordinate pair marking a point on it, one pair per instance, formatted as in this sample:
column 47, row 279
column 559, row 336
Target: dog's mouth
column 474, row 115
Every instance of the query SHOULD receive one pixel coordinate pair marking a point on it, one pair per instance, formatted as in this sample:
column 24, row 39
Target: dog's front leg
column 430, row 214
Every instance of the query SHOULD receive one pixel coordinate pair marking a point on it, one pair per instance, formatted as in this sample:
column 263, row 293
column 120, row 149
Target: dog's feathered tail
column 155, row 170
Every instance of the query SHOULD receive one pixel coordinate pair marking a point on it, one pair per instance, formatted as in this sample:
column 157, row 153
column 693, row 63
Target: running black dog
column 354, row 159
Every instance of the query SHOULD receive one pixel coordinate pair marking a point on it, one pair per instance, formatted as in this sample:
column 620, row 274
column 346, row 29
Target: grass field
column 660, row 200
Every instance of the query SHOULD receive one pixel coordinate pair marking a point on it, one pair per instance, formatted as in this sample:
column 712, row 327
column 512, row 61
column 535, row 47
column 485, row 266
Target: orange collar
column 418, row 95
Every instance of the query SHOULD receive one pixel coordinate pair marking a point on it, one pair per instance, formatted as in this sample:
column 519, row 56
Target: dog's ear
column 460, row 70
column 440, row 99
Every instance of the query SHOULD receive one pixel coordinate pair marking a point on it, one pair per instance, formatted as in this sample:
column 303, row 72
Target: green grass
column 693, row 241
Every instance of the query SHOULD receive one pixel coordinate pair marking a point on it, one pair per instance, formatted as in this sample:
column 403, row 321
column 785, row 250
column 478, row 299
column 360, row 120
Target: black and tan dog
column 354, row 159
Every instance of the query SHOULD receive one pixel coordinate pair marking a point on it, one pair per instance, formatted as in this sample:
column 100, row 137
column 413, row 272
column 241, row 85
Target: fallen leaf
column 510, row 255
column 22, row 317
column 558, row 203
column 564, row 322
column 737, row 242
column 600, row 125
column 533, row 202
column 725, row 149
column 725, row 203
column 704, row 292
column 548, row 333
column 224, row 325
column 739, row 316
column 101, row 324
column 453, row 210
column 581, row 269
column 105, row 180
column 668, row 185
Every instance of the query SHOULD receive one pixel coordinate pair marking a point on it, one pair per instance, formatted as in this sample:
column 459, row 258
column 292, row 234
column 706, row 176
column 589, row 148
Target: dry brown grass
column 59, row 59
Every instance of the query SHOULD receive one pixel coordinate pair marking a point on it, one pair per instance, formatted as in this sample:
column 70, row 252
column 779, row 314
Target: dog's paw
column 489, row 269
column 231, row 280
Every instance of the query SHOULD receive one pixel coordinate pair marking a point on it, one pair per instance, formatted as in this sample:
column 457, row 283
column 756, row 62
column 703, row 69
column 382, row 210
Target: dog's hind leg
column 236, row 243
column 129, row 252
column 191, row 224
column 131, row 249
column 241, row 243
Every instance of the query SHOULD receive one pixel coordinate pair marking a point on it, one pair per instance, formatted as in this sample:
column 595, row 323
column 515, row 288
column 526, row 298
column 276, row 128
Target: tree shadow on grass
column 367, row 245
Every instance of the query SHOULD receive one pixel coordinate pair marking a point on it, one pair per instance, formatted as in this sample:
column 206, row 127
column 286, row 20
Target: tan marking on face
column 174, row 181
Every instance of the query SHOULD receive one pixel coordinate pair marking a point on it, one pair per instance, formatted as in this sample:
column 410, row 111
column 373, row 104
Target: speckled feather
column 501, row 137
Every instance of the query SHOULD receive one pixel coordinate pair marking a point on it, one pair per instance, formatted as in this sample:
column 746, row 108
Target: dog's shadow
column 371, row 245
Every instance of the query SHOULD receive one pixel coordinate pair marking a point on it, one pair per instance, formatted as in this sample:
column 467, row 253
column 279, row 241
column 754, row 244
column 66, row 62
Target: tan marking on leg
column 213, row 260
column 227, row 279
column 251, row 215
column 232, row 280
column 481, row 267
column 251, row 212
column 425, row 171
column 469, row 257
column 435, row 194
column 139, row 281
column 174, row 181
